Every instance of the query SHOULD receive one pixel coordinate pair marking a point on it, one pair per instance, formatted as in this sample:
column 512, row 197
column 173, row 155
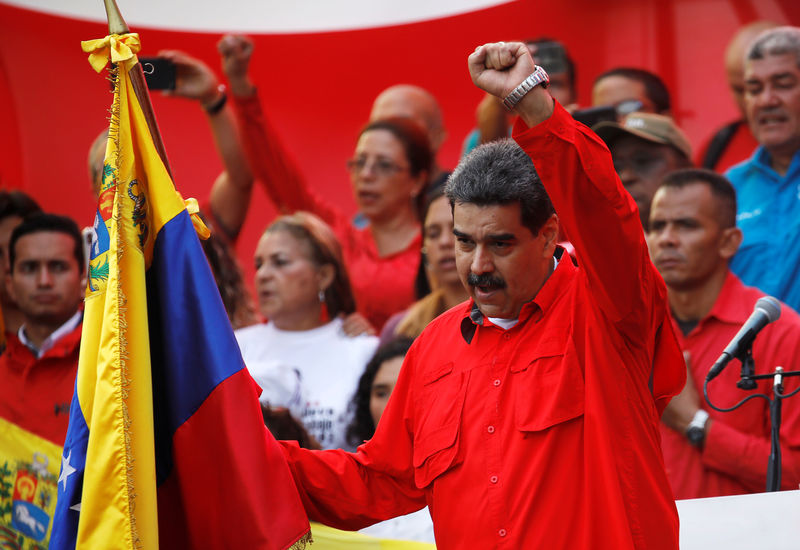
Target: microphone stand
column 748, row 381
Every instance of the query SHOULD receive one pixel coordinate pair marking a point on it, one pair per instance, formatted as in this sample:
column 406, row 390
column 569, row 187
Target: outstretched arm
column 230, row 194
column 353, row 490
column 270, row 161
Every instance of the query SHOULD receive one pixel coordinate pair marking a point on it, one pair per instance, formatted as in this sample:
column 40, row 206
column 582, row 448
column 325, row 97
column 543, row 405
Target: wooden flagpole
column 117, row 25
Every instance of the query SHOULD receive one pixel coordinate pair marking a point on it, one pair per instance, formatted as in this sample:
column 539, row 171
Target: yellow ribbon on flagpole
column 121, row 48
column 193, row 208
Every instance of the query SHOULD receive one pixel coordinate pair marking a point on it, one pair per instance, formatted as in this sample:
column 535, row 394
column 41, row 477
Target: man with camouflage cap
column 645, row 147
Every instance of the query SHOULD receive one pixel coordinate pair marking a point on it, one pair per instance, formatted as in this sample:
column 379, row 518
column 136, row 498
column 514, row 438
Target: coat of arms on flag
column 29, row 468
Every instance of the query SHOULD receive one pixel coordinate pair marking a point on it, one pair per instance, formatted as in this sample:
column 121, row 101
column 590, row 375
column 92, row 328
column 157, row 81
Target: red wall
column 318, row 88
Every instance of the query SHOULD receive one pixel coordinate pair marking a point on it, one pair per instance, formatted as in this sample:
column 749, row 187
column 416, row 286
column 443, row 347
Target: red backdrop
column 318, row 88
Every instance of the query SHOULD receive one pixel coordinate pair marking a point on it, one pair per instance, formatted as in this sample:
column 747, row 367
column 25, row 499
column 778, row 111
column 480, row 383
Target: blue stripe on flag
column 184, row 307
column 70, row 480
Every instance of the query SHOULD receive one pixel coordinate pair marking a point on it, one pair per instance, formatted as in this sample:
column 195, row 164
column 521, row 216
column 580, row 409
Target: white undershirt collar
column 70, row 325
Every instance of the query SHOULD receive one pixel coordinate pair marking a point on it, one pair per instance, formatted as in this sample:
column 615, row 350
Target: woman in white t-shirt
column 303, row 288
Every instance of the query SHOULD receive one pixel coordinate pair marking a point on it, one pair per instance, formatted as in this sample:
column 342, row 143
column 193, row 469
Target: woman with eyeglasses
column 389, row 171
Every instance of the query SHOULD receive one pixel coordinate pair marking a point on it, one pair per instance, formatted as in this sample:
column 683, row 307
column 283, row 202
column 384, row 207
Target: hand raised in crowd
column 193, row 78
column 498, row 68
column 236, row 51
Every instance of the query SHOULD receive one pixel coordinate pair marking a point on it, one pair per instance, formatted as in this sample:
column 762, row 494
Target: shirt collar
column 70, row 325
column 729, row 307
column 551, row 289
column 761, row 159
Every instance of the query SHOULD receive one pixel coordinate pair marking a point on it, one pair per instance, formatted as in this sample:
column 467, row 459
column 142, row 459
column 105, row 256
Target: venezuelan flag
column 165, row 444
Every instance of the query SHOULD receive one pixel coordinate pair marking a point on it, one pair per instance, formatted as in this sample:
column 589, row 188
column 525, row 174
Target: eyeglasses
column 382, row 167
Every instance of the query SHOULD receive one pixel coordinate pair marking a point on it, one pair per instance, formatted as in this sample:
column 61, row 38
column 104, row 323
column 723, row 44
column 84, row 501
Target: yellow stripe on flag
column 118, row 508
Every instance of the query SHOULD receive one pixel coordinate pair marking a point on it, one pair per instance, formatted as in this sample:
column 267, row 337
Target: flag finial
column 116, row 24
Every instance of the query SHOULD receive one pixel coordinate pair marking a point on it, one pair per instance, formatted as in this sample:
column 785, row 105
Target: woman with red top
column 389, row 171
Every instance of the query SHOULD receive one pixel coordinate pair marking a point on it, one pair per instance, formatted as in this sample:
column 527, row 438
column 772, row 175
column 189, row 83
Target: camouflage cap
column 648, row 126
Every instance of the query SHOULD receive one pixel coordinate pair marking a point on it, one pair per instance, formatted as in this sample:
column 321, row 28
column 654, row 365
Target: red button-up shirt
column 734, row 457
column 545, row 435
column 35, row 394
column 382, row 285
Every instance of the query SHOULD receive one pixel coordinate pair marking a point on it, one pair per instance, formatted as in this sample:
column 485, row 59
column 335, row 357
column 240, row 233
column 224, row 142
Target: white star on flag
column 66, row 470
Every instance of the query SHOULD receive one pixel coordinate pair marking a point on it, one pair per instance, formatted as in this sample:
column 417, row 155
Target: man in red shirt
column 692, row 236
column 528, row 416
column 47, row 281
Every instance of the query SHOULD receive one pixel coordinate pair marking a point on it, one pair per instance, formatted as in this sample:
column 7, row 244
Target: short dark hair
column 39, row 222
column 654, row 87
column 500, row 173
column 721, row 189
column 570, row 72
column 362, row 427
column 17, row 203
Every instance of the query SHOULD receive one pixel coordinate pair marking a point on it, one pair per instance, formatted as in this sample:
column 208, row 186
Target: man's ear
column 82, row 289
column 550, row 233
column 9, row 285
column 729, row 242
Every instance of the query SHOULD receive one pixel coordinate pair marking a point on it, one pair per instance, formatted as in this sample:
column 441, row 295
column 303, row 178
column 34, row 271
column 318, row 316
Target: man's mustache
column 485, row 280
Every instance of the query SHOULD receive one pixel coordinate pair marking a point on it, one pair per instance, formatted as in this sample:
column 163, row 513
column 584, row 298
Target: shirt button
column 496, row 382
column 502, row 532
column 507, row 336
column 493, row 479
column 490, row 429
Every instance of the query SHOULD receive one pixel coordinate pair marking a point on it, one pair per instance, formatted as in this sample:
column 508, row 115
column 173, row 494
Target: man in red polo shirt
column 46, row 280
column 528, row 416
column 707, row 453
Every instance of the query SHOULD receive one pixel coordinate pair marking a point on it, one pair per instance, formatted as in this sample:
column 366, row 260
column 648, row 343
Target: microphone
column 767, row 310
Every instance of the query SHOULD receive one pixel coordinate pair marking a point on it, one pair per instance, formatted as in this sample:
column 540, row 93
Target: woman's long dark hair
column 362, row 427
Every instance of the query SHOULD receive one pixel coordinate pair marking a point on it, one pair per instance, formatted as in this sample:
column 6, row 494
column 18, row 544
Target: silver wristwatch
column 696, row 432
column 539, row 76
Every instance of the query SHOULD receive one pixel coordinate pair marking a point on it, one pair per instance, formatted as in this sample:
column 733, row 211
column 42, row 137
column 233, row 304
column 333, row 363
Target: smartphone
column 159, row 73
column 551, row 56
column 594, row 115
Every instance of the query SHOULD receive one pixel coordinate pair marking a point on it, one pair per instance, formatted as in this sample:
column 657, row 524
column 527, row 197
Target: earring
column 324, row 316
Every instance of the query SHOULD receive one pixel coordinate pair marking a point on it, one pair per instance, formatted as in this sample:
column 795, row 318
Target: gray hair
column 500, row 173
column 777, row 41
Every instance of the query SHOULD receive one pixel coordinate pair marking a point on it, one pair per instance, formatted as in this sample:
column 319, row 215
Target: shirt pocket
column 549, row 389
column 437, row 419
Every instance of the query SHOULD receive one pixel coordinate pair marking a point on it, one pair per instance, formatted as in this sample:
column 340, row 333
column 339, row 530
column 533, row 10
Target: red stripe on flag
column 230, row 486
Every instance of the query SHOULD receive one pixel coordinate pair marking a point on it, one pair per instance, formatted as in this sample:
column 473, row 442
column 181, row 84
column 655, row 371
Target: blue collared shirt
column 769, row 216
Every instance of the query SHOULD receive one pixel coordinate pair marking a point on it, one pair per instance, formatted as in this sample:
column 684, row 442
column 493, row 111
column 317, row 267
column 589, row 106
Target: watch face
column 695, row 435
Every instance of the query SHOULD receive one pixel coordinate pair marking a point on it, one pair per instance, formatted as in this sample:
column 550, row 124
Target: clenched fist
column 500, row 67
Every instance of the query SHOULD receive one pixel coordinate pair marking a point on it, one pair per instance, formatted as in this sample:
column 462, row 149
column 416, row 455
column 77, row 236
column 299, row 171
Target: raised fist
column 500, row 67
column 235, row 51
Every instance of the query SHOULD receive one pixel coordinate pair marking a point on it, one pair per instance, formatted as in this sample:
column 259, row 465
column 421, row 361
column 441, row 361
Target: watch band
column 537, row 77
column 696, row 432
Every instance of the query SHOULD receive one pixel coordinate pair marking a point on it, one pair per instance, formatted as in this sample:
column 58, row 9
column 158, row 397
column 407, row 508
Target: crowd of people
column 514, row 314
